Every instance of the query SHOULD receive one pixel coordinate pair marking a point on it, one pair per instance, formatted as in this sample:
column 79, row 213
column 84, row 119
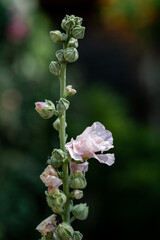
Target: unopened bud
column 78, row 20
column 70, row 91
column 77, row 194
column 68, row 23
column 71, row 54
column 80, row 211
column 77, row 180
column 73, row 43
column 58, row 154
column 77, row 236
column 64, row 231
column 45, row 109
column 56, row 124
column 54, row 163
column 55, row 67
column 62, row 105
column 60, row 55
column 56, row 200
column 56, row 36
column 78, row 32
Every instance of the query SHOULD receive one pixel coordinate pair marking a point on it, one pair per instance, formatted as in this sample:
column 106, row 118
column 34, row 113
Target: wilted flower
column 50, row 178
column 48, row 225
column 94, row 139
column 83, row 167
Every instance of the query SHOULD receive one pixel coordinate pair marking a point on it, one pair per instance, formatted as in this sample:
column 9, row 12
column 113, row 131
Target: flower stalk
column 62, row 135
column 67, row 166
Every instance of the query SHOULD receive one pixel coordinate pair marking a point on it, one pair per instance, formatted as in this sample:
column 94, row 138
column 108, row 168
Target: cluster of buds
column 74, row 30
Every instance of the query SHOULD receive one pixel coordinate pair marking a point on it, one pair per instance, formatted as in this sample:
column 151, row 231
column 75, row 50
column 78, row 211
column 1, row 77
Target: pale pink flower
column 50, row 178
column 40, row 105
column 48, row 225
column 94, row 139
column 83, row 167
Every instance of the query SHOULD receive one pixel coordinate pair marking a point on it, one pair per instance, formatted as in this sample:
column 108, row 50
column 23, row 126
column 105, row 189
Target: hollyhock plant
column 65, row 174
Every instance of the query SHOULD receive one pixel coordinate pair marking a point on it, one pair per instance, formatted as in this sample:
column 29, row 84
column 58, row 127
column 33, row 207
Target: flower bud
column 77, row 194
column 77, row 236
column 68, row 23
column 78, row 32
column 55, row 67
column 73, row 43
column 71, row 54
column 78, row 20
column 80, row 211
column 64, row 37
column 64, row 231
column 77, row 180
column 56, row 124
column 60, row 55
column 54, row 163
column 70, row 91
column 62, row 105
column 58, row 154
column 45, row 109
column 56, row 36
column 56, row 200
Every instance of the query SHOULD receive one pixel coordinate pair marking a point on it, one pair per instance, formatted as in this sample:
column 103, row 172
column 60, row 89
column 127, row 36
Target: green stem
column 62, row 146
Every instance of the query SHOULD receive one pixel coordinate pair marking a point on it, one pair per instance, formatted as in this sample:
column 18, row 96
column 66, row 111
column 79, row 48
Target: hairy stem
column 62, row 145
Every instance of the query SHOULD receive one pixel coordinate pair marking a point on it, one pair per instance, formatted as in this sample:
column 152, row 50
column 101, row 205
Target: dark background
column 117, row 78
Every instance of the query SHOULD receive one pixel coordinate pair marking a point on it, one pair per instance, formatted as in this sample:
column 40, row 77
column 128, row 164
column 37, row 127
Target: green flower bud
column 55, row 67
column 77, row 194
column 78, row 32
column 80, row 211
column 64, row 231
column 58, row 154
column 62, row 105
column 77, row 180
column 56, row 200
column 78, row 20
column 64, row 37
column 54, row 163
column 73, row 43
column 45, row 109
column 68, row 23
column 60, row 55
column 71, row 54
column 56, row 36
column 56, row 124
column 77, row 236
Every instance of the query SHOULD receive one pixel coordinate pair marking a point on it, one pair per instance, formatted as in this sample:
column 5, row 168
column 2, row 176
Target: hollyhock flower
column 48, row 225
column 94, row 139
column 83, row 167
column 50, row 178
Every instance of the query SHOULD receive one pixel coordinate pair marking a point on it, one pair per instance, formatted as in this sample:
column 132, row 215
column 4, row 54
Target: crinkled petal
column 108, row 158
column 74, row 155
column 47, row 225
column 82, row 167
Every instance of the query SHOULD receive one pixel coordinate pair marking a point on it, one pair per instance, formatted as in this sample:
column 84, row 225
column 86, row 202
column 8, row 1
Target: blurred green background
column 117, row 78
